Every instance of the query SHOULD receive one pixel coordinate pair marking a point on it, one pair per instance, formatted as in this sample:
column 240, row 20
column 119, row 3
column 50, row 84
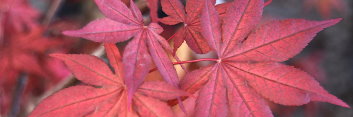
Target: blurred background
column 30, row 30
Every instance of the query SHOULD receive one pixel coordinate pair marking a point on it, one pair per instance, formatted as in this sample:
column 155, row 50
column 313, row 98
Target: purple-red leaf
column 275, row 82
column 170, row 20
column 212, row 99
column 114, row 57
column 151, row 107
column 193, row 8
column 123, row 23
column 288, row 38
column 137, row 63
column 191, row 84
column 211, row 26
column 89, row 69
column 74, row 101
column 174, row 8
column 106, row 30
column 243, row 104
column 161, row 90
column 162, row 61
column 153, row 5
column 136, row 11
column 190, row 32
column 108, row 99
column 118, row 11
column 239, row 21
column 247, row 71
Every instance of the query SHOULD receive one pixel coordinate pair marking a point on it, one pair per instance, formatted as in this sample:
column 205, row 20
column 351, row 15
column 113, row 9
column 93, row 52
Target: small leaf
column 174, row 8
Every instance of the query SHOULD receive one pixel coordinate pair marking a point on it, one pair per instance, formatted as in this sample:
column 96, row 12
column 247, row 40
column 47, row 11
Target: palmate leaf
column 105, row 93
column 190, row 16
column 248, row 69
column 121, row 24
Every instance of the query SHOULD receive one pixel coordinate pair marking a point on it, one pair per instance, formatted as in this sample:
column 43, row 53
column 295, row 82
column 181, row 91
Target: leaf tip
column 343, row 104
column 332, row 22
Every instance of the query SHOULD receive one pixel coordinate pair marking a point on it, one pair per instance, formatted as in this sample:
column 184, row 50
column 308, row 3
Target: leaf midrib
column 276, row 40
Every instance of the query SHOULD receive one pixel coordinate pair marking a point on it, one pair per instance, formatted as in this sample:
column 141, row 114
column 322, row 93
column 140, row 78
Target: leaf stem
column 193, row 61
column 55, row 5
column 170, row 38
column 190, row 61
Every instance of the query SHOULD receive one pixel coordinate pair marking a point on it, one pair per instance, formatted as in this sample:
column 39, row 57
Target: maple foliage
column 121, row 24
column 247, row 69
column 190, row 18
column 106, row 93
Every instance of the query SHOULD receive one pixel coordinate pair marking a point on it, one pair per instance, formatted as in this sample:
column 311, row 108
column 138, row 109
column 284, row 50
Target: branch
column 16, row 100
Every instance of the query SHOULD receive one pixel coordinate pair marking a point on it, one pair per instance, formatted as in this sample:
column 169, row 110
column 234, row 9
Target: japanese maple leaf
column 121, row 24
column 248, row 69
column 153, row 7
column 106, row 93
column 326, row 7
column 190, row 17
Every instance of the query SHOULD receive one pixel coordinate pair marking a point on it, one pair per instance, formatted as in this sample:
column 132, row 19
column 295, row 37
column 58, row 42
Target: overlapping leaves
column 121, row 24
column 106, row 94
column 190, row 17
column 248, row 69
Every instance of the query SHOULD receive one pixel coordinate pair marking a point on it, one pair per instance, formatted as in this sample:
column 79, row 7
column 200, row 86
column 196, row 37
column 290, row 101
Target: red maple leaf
column 106, row 93
column 153, row 6
column 248, row 69
column 190, row 17
column 121, row 24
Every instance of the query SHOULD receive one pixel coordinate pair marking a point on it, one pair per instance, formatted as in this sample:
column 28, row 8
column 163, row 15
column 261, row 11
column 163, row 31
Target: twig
column 51, row 12
column 16, row 101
